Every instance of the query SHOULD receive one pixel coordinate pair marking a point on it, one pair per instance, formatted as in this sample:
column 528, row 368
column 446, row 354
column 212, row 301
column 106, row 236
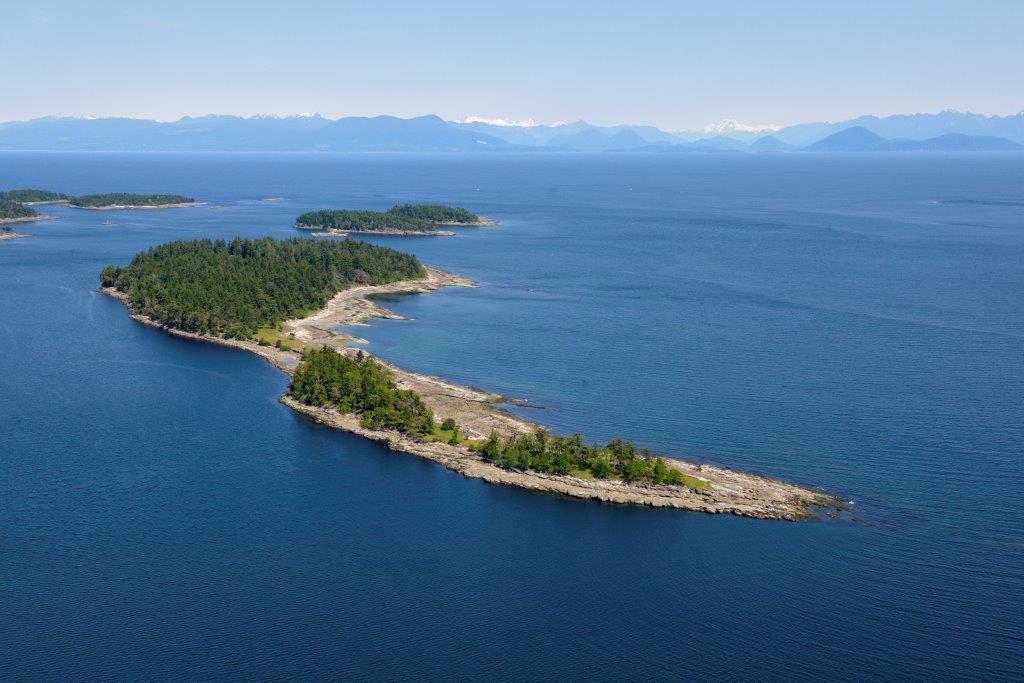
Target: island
column 32, row 197
column 406, row 219
column 125, row 200
column 7, row 234
column 284, row 299
column 15, row 212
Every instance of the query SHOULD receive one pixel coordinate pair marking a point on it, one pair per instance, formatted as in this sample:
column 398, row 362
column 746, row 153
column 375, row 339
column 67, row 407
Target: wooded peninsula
column 243, row 293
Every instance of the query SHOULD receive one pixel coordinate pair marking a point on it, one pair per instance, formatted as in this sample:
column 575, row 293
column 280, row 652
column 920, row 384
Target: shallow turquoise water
column 854, row 323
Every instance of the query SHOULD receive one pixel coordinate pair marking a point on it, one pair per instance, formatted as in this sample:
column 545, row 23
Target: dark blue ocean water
column 855, row 323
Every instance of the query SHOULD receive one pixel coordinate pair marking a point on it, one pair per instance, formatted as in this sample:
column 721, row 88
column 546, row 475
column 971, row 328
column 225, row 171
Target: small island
column 15, row 212
column 126, row 200
column 7, row 234
column 406, row 219
column 31, row 197
column 283, row 301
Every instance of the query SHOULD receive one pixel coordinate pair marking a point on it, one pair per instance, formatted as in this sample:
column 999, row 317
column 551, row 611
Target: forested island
column 127, row 200
column 34, row 196
column 12, row 211
column 353, row 220
column 406, row 219
column 284, row 299
column 234, row 289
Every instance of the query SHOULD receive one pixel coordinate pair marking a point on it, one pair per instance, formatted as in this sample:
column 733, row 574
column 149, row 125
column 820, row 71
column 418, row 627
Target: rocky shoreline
column 403, row 233
column 113, row 207
column 482, row 222
column 729, row 491
column 27, row 219
column 8, row 235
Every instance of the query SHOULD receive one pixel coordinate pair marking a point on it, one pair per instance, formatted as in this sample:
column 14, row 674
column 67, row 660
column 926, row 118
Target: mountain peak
column 734, row 126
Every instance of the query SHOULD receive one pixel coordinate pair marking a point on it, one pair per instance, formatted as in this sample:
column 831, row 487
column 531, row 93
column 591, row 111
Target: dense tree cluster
column 32, row 195
column 235, row 288
column 542, row 452
column 359, row 385
column 362, row 386
column 402, row 218
column 437, row 213
column 352, row 220
column 12, row 209
column 128, row 199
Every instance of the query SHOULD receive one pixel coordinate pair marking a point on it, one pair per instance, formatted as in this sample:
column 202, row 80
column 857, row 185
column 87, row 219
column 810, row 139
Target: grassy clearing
column 446, row 436
column 269, row 336
column 695, row 483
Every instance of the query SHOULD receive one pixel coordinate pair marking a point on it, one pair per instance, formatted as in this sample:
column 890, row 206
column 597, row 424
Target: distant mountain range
column 860, row 139
column 943, row 132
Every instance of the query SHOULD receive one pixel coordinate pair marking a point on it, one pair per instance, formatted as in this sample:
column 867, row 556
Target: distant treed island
column 414, row 219
column 32, row 196
column 126, row 200
column 16, row 205
column 12, row 211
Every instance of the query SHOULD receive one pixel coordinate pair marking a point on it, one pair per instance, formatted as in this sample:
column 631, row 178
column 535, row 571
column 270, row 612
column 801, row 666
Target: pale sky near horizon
column 676, row 65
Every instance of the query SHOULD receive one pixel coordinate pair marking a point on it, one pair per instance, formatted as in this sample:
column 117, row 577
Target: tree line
column 543, row 452
column 33, row 195
column 128, row 199
column 362, row 386
column 359, row 385
column 12, row 209
column 436, row 213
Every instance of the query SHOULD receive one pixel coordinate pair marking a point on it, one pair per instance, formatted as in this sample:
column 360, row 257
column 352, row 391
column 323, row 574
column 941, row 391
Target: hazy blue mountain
column 387, row 133
column 307, row 133
column 955, row 142
column 232, row 133
column 721, row 142
column 855, row 139
column 769, row 143
column 565, row 133
column 598, row 140
column 860, row 139
column 913, row 127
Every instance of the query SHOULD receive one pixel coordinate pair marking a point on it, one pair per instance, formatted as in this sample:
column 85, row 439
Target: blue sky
column 678, row 65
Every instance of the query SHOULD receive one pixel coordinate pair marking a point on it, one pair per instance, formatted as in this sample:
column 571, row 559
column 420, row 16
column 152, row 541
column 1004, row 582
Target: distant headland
column 284, row 299
column 404, row 219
